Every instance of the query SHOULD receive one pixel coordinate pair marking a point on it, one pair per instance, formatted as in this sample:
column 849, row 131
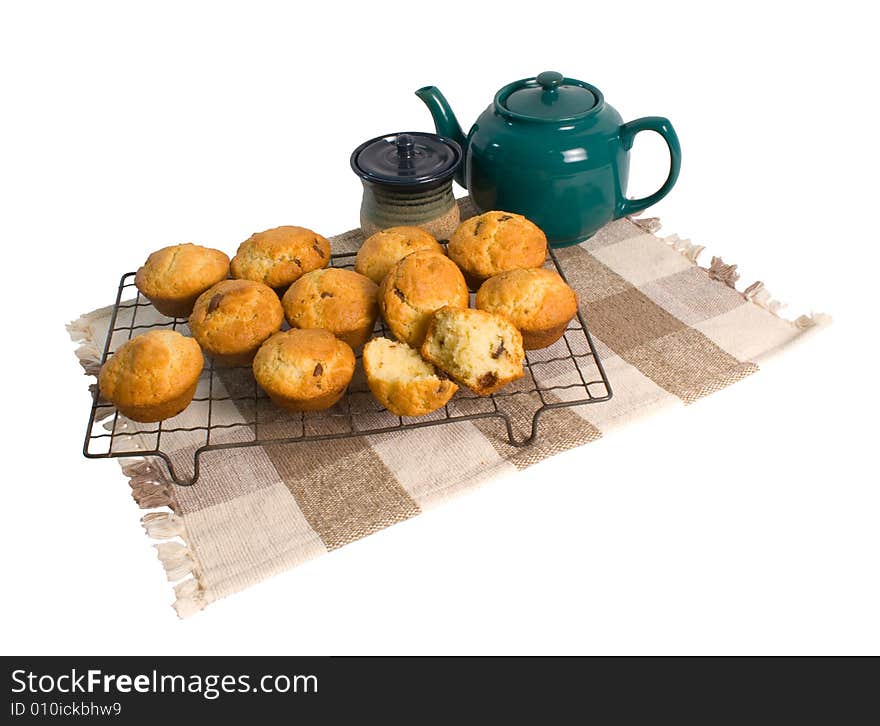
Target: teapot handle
column 628, row 133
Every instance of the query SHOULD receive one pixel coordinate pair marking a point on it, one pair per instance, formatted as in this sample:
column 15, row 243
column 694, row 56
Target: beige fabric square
column 611, row 233
column 749, row 332
column 635, row 395
column 434, row 463
column 640, row 259
column 241, row 541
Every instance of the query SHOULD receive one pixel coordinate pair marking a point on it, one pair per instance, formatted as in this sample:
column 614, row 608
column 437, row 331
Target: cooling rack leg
column 519, row 443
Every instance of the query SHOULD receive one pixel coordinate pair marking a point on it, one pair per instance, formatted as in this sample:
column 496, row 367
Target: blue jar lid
column 413, row 159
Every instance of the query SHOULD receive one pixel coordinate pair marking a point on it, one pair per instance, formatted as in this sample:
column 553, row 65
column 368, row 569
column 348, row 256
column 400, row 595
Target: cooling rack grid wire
column 231, row 411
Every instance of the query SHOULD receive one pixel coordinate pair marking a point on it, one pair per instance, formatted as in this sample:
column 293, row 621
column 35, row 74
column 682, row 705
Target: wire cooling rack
column 231, row 411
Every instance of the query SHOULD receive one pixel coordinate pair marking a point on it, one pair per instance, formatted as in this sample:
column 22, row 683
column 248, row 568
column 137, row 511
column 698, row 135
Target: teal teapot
column 551, row 149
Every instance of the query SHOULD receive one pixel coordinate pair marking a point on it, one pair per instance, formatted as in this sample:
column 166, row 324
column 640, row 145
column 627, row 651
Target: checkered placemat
column 667, row 331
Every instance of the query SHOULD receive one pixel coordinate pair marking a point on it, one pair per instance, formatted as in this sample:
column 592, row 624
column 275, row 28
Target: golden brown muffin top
column 279, row 256
column 303, row 364
column 235, row 315
column 181, row 270
column 414, row 288
column 381, row 251
column 425, row 281
column 495, row 242
column 335, row 299
column 532, row 299
column 151, row 368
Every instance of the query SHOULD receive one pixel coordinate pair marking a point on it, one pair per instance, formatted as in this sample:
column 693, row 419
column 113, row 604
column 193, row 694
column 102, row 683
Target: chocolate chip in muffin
column 319, row 369
column 215, row 303
column 504, row 217
column 498, row 351
column 487, row 380
column 399, row 293
column 477, row 227
column 297, row 261
column 316, row 247
column 326, row 294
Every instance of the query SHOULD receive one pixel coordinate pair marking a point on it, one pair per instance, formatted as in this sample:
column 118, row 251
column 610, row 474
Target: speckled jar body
column 434, row 210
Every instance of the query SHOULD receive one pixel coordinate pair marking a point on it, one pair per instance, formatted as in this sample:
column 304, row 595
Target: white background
column 746, row 523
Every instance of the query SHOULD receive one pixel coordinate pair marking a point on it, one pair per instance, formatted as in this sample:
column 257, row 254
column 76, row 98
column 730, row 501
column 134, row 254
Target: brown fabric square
column 590, row 278
column 340, row 506
column 629, row 319
column 686, row 363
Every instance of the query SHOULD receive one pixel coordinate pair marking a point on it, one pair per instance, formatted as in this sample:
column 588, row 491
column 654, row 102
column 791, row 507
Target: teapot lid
column 548, row 97
column 411, row 159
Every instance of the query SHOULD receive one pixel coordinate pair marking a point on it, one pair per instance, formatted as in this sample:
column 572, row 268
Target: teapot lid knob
column 549, row 80
column 406, row 146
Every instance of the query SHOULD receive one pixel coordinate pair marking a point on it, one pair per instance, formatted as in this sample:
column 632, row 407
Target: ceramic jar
column 407, row 180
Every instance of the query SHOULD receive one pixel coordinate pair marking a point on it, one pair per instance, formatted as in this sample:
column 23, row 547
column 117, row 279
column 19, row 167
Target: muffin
column 381, row 251
column 537, row 301
column 173, row 277
column 402, row 381
column 414, row 288
column 280, row 256
column 340, row 301
column 496, row 242
column 153, row 376
column 480, row 350
column 232, row 319
column 304, row 370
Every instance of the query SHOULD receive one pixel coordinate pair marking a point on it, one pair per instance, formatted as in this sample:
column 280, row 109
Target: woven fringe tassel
column 649, row 224
column 140, row 468
column 81, row 328
column 163, row 525
column 89, row 358
column 150, row 494
column 813, row 320
column 727, row 274
column 178, row 562
column 722, row 272
column 760, row 295
column 189, row 598
column 684, row 247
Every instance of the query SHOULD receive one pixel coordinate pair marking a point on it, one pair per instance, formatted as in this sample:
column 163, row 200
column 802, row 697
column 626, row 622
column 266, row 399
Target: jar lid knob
column 406, row 146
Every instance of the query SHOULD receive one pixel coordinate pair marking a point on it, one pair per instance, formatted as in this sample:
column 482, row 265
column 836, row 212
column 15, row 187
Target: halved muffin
column 402, row 381
column 480, row 350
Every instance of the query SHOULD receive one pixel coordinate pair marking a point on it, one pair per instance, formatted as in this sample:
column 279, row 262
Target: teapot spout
column 446, row 124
